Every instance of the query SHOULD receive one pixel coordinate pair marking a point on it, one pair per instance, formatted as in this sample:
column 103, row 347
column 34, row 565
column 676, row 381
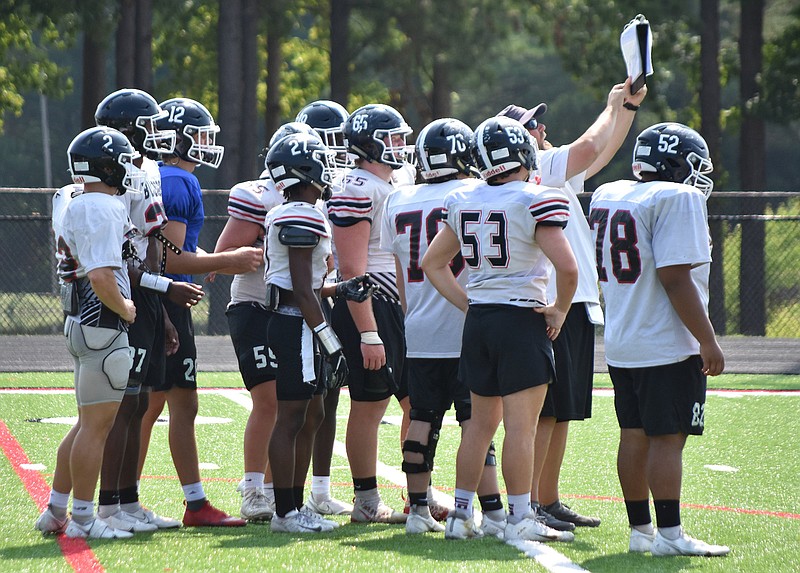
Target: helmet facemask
column 698, row 178
column 203, row 148
column 394, row 154
column 155, row 141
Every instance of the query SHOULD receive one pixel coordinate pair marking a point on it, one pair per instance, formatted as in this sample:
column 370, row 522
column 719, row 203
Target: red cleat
column 210, row 516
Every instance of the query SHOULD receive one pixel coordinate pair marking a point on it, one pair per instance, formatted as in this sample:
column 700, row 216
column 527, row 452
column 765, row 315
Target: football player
column 506, row 230
column 433, row 325
column 372, row 331
column 570, row 396
column 90, row 230
column 298, row 249
column 654, row 253
column 327, row 119
column 183, row 203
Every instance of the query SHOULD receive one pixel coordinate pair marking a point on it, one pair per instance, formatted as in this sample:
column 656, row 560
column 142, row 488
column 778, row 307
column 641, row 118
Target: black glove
column 357, row 289
column 334, row 371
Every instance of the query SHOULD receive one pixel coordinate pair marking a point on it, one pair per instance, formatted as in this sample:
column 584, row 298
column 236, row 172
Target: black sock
column 297, row 492
column 284, row 500
column 638, row 512
column 668, row 512
column 129, row 495
column 418, row 498
column 196, row 505
column 108, row 497
column 490, row 502
column 365, row 484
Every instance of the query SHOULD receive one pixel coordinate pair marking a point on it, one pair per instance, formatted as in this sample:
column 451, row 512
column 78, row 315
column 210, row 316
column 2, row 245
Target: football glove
column 357, row 289
column 334, row 365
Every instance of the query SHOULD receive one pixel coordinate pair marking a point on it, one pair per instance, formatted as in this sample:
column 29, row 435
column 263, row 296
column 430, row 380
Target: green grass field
column 754, row 509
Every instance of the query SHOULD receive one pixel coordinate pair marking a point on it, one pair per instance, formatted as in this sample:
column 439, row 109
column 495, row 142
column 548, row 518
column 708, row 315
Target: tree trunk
column 94, row 77
column 249, row 166
column 272, row 116
column 229, row 58
column 340, row 54
column 440, row 96
column 126, row 44
column 752, row 159
column 143, row 74
column 710, row 98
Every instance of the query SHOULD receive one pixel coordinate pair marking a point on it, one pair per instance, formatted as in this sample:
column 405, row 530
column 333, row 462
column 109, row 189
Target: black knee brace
column 428, row 450
column 491, row 460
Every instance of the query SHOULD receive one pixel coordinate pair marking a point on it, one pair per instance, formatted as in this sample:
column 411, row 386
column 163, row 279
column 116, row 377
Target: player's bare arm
column 240, row 260
column 352, row 244
column 554, row 245
column 436, row 265
column 622, row 126
column 685, row 299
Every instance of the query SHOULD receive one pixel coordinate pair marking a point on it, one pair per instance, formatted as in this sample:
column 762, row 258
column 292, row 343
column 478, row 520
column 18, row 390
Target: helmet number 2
column 108, row 143
column 667, row 143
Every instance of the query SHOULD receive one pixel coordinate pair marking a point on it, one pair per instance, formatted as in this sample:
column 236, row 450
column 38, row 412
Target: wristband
column 327, row 338
column 155, row 283
column 370, row 337
column 630, row 106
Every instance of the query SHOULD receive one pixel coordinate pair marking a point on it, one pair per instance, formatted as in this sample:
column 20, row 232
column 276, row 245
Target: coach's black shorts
column 433, row 384
column 293, row 344
column 505, row 349
column 668, row 399
column 181, row 366
column 367, row 385
column 248, row 323
column 146, row 340
column 569, row 397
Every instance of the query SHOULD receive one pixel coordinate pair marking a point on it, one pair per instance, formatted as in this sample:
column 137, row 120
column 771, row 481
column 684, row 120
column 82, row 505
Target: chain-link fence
column 755, row 278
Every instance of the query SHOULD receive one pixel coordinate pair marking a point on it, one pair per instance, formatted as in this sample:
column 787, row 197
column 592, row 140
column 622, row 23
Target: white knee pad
column 116, row 366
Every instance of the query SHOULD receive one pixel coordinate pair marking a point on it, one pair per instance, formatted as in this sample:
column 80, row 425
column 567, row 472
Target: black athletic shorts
column 248, row 323
column 433, row 384
column 374, row 385
column 181, row 366
column 294, row 347
column 146, row 340
column 663, row 400
column 505, row 349
column 569, row 397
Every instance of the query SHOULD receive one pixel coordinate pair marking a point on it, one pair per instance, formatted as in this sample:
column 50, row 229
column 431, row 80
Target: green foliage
column 26, row 34
column 781, row 78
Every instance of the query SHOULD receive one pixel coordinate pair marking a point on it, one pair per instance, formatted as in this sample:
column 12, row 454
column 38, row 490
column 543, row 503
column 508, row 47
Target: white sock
column 58, row 499
column 82, row 510
column 645, row 528
column 670, row 533
column 253, row 480
column 107, row 510
column 193, row 491
column 321, row 487
column 132, row 507
column 518, row 506
column 464, row 501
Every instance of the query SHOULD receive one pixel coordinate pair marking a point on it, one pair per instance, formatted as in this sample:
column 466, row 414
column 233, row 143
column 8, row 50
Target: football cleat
column 295, row 522
column 95, row 529
column 417, row 523
column 640, row 542
column 460, row 528
column 493, row 528
column 564, row 513
column 126, row 522
column 210, row 516
column 551, row 521
column 327, row 524
column 532, row 528
column 685, row 545
column 48, row 523
column 328, row 506
column 148, row 516
column 255, row 506
column 375, row 511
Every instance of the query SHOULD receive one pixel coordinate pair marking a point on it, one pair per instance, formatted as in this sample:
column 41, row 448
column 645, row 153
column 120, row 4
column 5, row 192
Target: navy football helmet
column 197, row 132
column 327, row 118
column 301, row 158
column 674, row 152
column 501, row 144
column 103, row 154
column 135, row 113
column 377, row 133
column 443, row 149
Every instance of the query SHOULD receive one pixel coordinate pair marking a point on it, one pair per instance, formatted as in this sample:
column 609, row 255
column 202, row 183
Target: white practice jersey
column 553, row 173
column 412, row 217
column 641, row 227
column 304, row 216
column 146, row 209
column 250, row 201
column 495, row 225
column 363, row 199
column 90, row 229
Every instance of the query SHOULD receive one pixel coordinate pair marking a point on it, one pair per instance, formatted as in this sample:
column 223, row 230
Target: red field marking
column 76, row 551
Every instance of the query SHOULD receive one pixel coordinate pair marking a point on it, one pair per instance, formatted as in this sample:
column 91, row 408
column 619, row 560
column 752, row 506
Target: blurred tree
column 134, row 45
column 340, row 50
column 28, row 29
column 97, row 22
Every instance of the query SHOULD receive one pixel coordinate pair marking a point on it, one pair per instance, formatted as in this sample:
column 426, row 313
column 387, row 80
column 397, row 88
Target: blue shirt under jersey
column 183, row 202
